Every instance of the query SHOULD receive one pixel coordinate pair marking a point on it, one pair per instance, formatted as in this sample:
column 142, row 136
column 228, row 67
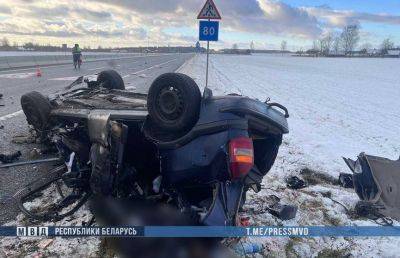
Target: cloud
column 254, row 16
column 277, row 18
column 340, row 18
column 133, row 21
column 94, row 15
column 67, row 12
column 8, row 28
column 5, row 10
column 154, row 6
column 138, row 33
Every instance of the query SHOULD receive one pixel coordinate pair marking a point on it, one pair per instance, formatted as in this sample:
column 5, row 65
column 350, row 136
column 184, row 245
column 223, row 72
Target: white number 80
column 208, row 31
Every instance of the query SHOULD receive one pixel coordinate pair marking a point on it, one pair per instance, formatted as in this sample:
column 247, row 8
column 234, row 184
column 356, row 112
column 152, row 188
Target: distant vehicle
column 198, row 154
column 149, row 51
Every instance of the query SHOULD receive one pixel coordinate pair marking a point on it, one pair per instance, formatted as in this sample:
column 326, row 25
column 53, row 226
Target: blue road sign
column 209, row 30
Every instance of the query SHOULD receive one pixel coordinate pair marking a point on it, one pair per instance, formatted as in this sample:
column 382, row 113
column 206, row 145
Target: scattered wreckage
column 1, row 100
column 198, row 154
column 376, row 181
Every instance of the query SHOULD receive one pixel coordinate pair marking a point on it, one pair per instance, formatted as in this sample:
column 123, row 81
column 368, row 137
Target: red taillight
column 241, row 156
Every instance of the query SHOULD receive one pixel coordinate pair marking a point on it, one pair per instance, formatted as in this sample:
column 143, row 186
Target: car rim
column 170, row 103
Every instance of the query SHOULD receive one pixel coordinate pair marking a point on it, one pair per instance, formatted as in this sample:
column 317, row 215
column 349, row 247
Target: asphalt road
column 137, row 72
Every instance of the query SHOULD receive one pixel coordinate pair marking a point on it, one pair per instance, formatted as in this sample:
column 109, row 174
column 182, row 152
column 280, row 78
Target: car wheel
column 110, row 79
column 37, row 110
column 174, row 102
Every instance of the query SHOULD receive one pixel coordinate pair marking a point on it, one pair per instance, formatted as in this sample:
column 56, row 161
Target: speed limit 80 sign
column 209, row 30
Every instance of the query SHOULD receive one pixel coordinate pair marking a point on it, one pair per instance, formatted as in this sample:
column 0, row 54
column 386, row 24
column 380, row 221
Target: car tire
column 37, row 110
column 173, row 102
column 265, row 153
column 111, row 80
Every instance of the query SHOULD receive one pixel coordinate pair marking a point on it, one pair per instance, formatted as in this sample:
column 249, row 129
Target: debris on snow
column 346, row 180
column 21, row 139
column 295, row 182
column 58, row 246
column 10, row 157
column 282, row 211
column 45, row 243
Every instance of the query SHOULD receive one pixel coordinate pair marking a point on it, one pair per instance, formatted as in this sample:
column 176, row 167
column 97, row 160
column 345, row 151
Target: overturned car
column 196, row 153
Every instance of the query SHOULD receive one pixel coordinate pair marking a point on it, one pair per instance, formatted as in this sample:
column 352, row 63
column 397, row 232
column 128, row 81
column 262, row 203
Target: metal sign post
column 208, row 54
column 209, row 30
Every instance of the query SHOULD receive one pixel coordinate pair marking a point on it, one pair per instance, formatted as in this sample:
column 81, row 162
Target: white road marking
column 4, row 118
column 72, row 78
column 184, row 64
column 149, row 68
column 17, row 75
column 98, row 68
column 130, row 88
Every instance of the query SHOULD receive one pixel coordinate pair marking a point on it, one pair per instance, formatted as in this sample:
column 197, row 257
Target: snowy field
column 338, row 107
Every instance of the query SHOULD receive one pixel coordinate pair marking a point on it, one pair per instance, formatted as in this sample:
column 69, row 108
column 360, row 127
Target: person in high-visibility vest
column 77, row 56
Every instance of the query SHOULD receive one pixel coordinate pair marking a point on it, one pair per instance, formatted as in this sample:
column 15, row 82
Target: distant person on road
column 77, row 56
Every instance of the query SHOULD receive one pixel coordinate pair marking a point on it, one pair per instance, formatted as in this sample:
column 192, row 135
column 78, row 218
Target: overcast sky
column 173, row 22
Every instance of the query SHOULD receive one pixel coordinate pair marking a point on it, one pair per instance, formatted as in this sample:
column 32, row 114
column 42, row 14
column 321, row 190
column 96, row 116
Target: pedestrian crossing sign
column 209, row 11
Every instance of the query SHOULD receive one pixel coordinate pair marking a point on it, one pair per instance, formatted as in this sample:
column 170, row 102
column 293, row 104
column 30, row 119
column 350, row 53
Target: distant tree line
column 345, row 43
column 6, row 46
column 236, row 50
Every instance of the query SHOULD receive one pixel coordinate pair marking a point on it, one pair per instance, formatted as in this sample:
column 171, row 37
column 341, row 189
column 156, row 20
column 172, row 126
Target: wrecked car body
column 199, row 154
column 376, row 181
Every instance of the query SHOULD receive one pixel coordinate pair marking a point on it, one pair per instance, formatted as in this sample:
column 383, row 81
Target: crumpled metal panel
column 377, row 181
column 386, row 174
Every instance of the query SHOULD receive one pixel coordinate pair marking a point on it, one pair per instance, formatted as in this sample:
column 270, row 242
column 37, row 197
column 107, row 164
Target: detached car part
column 377, row 180
column 10, row 157
column 29, row 162
column 282, row 211
column 24, row 195
column 110, row 79
column 37, row 110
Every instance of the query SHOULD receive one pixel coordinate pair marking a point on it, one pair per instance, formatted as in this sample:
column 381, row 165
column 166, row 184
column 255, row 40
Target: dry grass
column 313, row 177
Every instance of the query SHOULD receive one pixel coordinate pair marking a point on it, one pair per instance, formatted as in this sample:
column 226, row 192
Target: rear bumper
column 263, row 114
column 268, row 120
